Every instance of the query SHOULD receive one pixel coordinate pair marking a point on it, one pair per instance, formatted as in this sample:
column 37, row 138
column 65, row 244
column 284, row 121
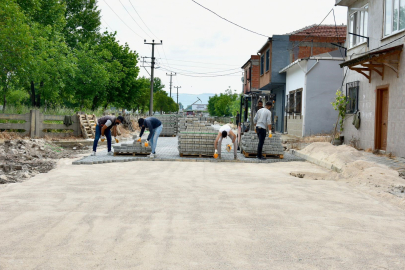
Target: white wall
column 367, row 91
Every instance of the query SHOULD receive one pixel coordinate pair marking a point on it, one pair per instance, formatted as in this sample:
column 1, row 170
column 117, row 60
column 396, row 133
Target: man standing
column 103, row 129
column 262, row 120
column 259, row 105
column 155, row 128
column 237, row 119
column 224, row 132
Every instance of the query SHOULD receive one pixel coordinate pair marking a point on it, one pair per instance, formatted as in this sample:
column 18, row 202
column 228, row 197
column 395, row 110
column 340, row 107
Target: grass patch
column 6, row 121
column 53, row 122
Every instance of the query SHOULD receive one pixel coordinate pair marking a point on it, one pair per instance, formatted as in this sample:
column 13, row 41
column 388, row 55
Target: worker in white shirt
column 262, row 120
column 225, row 131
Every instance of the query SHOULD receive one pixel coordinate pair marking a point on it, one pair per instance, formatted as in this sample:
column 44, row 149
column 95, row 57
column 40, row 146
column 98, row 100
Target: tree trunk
column 4, row 102
column 33, row 94
column 95, row 101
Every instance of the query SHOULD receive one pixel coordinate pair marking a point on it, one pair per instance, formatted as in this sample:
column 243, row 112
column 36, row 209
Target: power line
column 199, row 62
column 134, row 20
column 337, row 34
column 309, row 35
column 220, row 68
column 142, row 20
column 229, row 20
column 203, row 76
column 220, row 71
column 122, row 20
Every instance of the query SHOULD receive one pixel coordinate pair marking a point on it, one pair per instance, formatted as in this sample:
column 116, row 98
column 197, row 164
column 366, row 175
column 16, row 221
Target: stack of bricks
column 133, row 148
column 169, row 122
column 196, row 138
column 272, row 146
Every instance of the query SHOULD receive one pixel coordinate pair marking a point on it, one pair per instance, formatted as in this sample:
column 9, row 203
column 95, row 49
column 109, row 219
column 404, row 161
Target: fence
column 37, row 125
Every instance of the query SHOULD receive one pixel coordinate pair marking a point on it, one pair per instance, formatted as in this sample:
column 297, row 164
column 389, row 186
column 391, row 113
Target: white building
column 311, row 85
column 374, row 68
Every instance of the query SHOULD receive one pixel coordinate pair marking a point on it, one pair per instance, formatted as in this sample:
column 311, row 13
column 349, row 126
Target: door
column 381, row 119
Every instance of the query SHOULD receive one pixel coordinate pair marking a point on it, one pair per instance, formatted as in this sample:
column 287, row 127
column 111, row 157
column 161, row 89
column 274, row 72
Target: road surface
column 191, row 215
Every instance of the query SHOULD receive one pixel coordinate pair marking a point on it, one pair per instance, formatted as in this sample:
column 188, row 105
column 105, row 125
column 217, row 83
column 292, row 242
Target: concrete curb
column 315, row 161
column 83, row 161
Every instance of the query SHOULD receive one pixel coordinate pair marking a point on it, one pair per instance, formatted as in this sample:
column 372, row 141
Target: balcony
column 345, row 3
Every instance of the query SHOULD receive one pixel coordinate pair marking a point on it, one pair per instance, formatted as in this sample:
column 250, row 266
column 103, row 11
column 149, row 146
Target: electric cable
column 200, row 62
column 134, row 20
column 234, row 69
column 203, row 76
column 309, row 35
column 142, row 20
column 122, row 20
column 229, row 20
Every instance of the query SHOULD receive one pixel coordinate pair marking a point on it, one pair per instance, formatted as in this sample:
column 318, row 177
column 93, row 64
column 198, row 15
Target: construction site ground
column 167, row 151
column 191, row 215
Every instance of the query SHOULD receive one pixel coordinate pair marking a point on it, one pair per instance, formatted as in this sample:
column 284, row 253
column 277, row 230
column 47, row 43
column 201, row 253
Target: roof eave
column 265, row 44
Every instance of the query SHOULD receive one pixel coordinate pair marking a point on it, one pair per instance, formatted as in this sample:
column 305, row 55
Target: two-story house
column 281, row 50
column 374, row 74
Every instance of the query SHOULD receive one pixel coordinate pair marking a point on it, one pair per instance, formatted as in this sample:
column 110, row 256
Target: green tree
column 221, row 105
column 157, row 85
column 45, row 12
column 15, row 42
column 82, row 22
column 91, row 76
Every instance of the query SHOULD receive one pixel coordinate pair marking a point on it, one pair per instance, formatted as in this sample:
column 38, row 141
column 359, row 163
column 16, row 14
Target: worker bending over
column 155, row 128
column 224, row 132
column 262, row 120
column 103, row 129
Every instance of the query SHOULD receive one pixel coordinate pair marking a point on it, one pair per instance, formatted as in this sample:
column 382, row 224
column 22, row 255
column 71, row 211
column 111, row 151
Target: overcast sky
column 196, row 42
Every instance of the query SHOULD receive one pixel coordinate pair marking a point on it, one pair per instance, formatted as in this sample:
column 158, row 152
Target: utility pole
column 177, row 95
column 171, row 76
column 152, row 73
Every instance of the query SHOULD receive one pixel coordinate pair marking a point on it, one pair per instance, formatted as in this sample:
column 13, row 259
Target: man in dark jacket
column 103, row 130
column 155, row 128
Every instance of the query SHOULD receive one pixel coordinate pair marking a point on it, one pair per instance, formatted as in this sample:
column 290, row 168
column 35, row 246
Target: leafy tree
column 45, row 12
column 221, row 105
column 82, row 21
column 50, row 66
column 91, row 76
column 157, row 85
column 15, row 42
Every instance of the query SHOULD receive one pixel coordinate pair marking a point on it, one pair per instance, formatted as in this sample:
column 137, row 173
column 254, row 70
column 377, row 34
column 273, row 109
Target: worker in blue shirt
column 155, row 128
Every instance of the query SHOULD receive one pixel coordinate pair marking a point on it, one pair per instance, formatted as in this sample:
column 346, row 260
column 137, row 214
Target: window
column 294, row 101
column 359, row 26
column 298, row 99
column 352, row 97
column 267, row 60
column 394, row 16
column 262, row 65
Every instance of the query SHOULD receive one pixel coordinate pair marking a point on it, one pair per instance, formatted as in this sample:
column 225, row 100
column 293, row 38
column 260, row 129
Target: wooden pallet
column 169, row 136
column 254, row 155
column 88, row 125
column 195, row 155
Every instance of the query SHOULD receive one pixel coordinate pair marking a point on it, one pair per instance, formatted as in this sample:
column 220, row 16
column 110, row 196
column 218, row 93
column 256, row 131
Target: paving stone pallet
column 135, row 148
column 169, row 122
column 272, row 146
column 183, row 122
column 196, row 139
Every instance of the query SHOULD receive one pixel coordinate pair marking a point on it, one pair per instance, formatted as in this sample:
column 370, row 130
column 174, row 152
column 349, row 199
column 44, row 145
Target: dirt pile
column 356, row 167
column 22, row 159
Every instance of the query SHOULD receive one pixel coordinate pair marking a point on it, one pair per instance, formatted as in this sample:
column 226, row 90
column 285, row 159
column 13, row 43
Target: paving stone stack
column 133, row 148
column 272, row 146
column 196, row 137
column 169, row 122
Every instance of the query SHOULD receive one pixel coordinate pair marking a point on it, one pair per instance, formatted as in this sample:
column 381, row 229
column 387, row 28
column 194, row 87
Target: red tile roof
column 321, row 31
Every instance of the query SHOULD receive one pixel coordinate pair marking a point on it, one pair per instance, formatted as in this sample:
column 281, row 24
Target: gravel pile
column 23, row 159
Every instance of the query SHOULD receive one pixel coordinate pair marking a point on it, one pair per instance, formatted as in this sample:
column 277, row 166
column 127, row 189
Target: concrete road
column 187, row 215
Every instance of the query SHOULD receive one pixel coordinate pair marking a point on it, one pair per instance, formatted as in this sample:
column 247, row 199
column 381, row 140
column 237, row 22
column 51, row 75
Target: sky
column 197, row 43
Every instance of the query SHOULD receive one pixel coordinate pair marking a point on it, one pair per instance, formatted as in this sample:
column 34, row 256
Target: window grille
column 352, row 97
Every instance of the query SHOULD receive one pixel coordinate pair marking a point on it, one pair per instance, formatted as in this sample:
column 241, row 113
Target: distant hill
column 188, row 99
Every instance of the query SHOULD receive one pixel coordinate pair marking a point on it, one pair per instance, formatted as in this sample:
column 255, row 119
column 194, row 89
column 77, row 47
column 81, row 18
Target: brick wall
column 319, row 45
